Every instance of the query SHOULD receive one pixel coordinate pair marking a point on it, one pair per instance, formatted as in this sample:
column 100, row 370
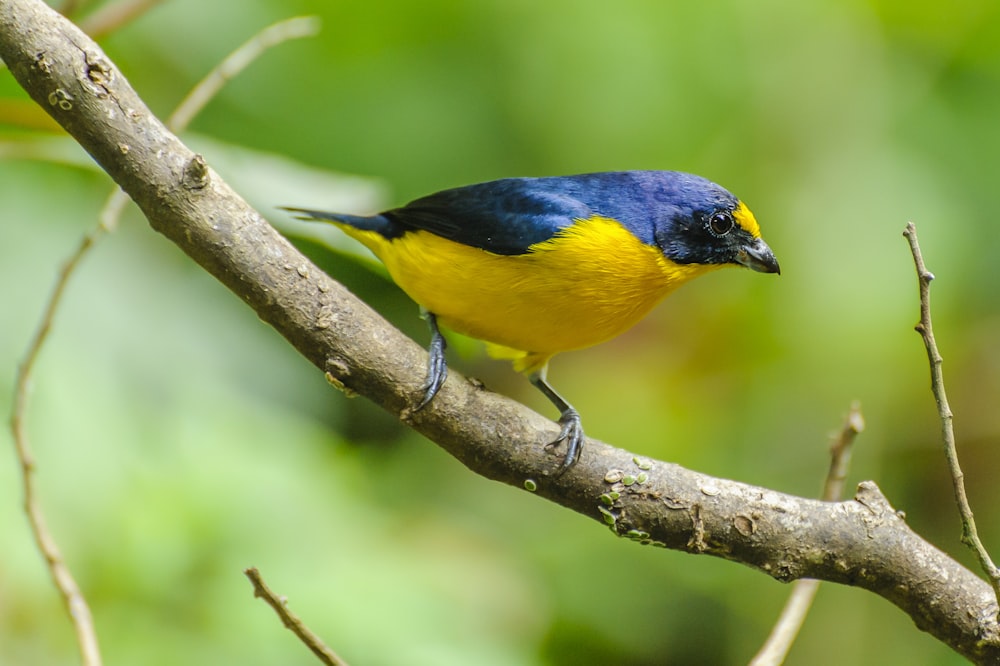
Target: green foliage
column 178, row 440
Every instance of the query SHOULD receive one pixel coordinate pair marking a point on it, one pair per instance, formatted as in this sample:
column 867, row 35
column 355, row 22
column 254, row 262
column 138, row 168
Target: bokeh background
column 179, row 440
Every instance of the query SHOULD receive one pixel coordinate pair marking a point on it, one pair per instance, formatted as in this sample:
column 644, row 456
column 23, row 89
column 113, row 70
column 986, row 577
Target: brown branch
column 65, row 583
column 787, row 627
column 863, row 542
column 970, row 535
column 62, row 578
column 840, row 454
column 291, row 620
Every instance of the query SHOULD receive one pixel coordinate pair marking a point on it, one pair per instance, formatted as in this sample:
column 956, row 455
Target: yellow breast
column 589, row 283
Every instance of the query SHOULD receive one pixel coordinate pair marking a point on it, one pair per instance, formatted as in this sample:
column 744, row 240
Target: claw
column 437, row 369
column 569, row 419
column 572, row 434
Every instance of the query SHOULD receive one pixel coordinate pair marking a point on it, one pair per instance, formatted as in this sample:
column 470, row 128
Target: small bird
column 538, row 266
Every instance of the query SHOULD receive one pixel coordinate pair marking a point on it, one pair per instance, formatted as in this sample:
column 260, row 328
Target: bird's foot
column 437, row 372
column 437, row 369
column 572, row 434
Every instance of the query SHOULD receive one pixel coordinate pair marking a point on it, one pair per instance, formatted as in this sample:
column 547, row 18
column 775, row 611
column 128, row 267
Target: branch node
column 870, row 496
column 697, row 543
column 100, row 73
column 195, row 175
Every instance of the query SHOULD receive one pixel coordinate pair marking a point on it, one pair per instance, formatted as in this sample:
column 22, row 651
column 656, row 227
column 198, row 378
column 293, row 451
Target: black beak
column 758, row 256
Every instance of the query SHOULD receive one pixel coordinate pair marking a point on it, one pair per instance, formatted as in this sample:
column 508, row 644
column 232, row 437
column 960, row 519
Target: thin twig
column 840, row 454
column 787, row 627
column 114, row 15
column 291, row 620
column 236, row 62
column 108, row 18
column 970, row 536
column 69, row 590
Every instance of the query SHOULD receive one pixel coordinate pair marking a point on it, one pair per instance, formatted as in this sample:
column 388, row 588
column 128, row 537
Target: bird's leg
column 437, row 369
column 569, row 419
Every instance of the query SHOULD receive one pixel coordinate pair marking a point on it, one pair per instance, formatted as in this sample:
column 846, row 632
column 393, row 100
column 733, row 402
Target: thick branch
column 863, row 542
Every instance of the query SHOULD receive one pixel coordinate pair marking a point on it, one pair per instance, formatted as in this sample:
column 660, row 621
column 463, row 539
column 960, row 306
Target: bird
column 536, row 266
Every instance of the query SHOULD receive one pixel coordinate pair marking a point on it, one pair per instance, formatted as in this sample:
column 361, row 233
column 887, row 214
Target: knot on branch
column 195, row 173
column 870, row 496
column 99, row 73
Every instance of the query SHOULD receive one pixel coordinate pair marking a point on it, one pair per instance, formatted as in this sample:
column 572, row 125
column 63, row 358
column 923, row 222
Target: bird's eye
column 721, row 223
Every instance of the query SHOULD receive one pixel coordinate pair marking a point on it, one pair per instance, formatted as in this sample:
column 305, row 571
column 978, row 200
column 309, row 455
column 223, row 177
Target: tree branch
column 63, row 579
column 862, row 542
column 785, row 630
column 925, row 327
column 291, row 620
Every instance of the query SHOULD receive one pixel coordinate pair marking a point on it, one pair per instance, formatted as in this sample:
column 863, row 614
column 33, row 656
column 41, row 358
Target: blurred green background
column 179, row 440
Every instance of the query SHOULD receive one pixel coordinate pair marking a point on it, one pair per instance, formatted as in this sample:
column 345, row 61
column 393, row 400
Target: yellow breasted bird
column 538, row 266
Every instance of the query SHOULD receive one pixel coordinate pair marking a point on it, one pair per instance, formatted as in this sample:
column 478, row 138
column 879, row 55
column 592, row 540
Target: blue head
column 689, row 218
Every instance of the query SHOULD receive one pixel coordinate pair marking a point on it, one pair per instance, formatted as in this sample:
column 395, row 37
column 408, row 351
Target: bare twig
column 291, row 620
column 114, row 15
column 109, row 216
column 840, row 454
column 970, row 536
column 69, row 590
column 785, row 630
column 236, row 62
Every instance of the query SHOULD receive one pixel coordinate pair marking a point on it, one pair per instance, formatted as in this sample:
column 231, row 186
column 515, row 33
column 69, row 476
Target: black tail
column 377, row 223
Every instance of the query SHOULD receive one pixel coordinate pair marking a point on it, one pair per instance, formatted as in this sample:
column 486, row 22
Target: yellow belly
column 587, row 284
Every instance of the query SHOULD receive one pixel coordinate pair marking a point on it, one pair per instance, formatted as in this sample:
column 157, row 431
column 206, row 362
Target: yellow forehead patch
column 746, row 220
